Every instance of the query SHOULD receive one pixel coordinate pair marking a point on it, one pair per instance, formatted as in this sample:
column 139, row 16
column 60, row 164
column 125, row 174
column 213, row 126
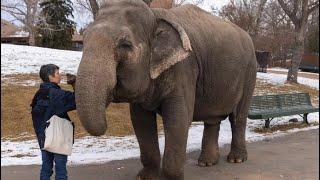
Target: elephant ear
column 169, row 46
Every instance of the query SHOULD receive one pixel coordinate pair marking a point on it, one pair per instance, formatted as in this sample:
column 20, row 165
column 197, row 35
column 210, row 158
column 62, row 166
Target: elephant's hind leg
column 238, row 152
column 145, row 127
column 238, row 120
column 210, row 149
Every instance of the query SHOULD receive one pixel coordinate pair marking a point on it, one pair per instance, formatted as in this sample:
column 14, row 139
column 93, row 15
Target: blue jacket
column 50, row 100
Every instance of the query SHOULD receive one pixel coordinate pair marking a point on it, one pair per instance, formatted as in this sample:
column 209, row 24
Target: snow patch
column 280, row 79
column 95, row 150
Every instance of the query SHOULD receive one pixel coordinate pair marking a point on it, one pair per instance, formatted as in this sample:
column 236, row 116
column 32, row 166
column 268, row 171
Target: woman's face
column 56, row 78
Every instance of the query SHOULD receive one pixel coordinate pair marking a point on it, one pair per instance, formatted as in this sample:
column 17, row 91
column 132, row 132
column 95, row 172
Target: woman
column 51, row 100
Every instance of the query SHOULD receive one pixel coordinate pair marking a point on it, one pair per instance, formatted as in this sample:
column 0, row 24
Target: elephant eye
column 125, row 45
column 159, row 32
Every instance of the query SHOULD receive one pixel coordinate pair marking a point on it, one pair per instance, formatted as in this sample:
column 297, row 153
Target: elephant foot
column 208, row 159
column 172, row 177
column 148, row 174
column 237, row 156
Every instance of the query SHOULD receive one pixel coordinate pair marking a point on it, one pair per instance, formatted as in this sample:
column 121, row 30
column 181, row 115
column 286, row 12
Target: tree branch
column 286, row 9
column 85, row 5
column 312, row 7
column 12, row 8
column 16, row 16
column 95, row 8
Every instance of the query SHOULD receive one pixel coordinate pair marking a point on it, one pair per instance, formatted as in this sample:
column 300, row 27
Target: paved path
column 292, row 157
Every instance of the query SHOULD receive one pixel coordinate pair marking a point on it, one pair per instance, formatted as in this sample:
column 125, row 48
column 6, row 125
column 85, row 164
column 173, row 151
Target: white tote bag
column 59, row 136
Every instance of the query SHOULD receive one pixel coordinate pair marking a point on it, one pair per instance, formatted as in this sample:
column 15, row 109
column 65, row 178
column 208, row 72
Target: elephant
column 183, row 64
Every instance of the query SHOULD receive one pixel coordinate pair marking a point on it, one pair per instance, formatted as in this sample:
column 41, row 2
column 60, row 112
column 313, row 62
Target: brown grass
column 16, row 123
column 23, row 155
column 263, row 88
column 283, row 127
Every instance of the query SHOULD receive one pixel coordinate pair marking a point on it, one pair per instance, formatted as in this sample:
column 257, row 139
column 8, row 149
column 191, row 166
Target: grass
column 23, row 155
column 263, row 88
column 283, row 127
column 16, row 123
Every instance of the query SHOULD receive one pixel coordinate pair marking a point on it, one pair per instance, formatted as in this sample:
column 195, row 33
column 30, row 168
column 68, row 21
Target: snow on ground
column 102, row 149
column 280, row 79
column 26, row 59
column 18, row 59
column 279, row 69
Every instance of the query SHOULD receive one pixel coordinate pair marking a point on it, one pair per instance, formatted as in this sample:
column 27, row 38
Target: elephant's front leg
column 210, row 148
column 176, row 122
column 145, row 127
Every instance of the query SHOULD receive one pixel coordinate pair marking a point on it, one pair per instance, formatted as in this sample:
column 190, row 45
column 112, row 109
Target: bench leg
column 305, row 119
column 267, row 123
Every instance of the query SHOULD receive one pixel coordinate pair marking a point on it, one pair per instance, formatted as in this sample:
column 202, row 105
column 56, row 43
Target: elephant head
column 126, row 48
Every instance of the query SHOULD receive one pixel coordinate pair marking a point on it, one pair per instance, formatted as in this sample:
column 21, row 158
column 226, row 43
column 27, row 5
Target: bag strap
column 50, row 107
column 40, row 94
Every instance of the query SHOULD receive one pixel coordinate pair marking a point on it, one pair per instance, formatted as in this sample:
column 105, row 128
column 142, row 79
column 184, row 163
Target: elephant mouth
column 119, row 95
column 122, row 95
column 121, row 99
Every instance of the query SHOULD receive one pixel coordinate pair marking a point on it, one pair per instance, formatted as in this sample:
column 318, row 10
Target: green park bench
column 270, row 106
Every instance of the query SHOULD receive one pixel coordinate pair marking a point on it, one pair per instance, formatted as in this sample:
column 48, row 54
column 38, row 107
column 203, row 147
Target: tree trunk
column 298, row 52
column 95, row 8
column 32, row 41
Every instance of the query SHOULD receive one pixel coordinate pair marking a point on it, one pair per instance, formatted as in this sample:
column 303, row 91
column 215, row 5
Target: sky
column 84, row 18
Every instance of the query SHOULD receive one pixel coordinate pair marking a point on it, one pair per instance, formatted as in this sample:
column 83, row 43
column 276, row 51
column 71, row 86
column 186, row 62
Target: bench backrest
column 279, row 101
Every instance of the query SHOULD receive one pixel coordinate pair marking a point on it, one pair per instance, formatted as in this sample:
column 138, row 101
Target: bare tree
column 298, row 11
column 276, row 32
column 181, row 2
column 171, row 3
column 24, row 11
column 245, row 13
column 91, row 6
column 94, row 7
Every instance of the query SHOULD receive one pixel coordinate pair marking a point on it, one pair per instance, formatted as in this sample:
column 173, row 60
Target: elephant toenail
column 238, row 160
column 201, row 164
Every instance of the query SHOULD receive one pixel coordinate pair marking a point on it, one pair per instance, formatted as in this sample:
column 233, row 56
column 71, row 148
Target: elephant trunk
column 96, row 80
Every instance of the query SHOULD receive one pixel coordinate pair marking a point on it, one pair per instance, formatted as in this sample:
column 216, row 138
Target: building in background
column 310, row 62
column 12, row 34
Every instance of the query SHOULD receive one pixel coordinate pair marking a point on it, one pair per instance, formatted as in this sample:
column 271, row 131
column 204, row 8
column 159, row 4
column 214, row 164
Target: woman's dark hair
column 46, row 70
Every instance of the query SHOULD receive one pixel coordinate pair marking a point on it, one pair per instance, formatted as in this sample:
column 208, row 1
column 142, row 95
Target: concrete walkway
column 291, row 157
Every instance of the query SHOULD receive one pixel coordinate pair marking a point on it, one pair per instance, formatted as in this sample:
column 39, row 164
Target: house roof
column 7, row 28
column 77, row 37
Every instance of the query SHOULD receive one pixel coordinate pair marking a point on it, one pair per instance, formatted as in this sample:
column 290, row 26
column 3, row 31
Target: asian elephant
column 183, row 64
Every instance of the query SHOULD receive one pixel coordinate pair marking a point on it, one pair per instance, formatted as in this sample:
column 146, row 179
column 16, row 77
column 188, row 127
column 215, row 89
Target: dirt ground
column 291, row 157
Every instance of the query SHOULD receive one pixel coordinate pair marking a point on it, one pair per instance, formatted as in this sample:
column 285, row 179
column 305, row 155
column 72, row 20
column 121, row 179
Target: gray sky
column 216, row 3
column 83, row 18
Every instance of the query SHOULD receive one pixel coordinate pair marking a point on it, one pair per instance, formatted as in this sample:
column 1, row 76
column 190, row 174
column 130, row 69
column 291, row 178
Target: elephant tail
column 241, row 111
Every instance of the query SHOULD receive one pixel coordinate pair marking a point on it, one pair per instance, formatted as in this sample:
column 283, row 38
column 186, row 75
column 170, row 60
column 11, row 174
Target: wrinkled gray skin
column 183, row 64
